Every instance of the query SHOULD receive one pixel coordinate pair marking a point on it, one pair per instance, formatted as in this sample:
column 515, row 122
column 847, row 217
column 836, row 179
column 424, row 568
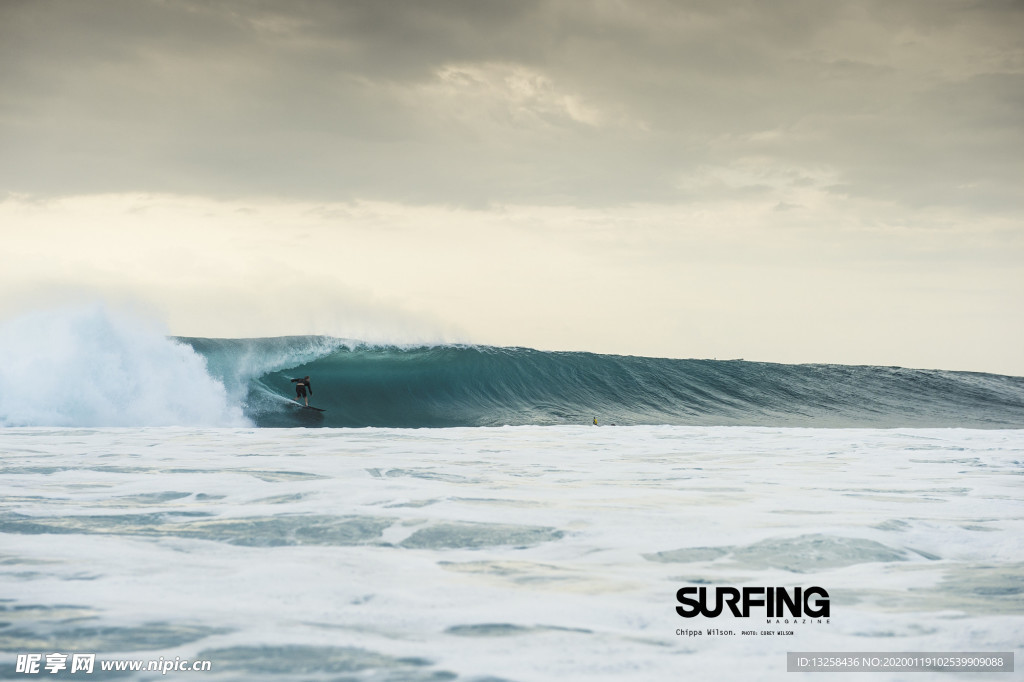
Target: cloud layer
column 478, row 103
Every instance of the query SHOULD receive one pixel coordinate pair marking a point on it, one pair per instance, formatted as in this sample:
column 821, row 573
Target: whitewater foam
column 93, row 367
column 521, row 553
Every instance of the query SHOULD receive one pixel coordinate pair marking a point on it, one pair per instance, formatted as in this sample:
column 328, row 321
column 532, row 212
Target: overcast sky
column 796, row 181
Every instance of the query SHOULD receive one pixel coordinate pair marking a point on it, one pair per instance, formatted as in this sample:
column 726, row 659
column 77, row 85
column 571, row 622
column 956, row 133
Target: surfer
column 301, row 386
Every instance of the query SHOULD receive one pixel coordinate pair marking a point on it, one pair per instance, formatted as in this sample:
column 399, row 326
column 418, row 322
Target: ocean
column 455, row 515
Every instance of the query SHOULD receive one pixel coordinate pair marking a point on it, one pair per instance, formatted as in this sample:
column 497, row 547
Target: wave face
column 440, row 386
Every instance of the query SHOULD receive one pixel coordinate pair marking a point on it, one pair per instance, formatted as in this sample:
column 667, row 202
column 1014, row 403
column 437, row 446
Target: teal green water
column 439, row 386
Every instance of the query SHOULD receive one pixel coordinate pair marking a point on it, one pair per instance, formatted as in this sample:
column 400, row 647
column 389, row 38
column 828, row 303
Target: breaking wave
column 90, row 367
column 438, row 386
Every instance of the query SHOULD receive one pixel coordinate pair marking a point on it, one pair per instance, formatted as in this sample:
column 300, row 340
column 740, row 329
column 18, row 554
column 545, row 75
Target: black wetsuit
column 301, row 385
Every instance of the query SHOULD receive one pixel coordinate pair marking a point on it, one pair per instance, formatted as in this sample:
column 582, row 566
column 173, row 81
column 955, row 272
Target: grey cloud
column 908, row 102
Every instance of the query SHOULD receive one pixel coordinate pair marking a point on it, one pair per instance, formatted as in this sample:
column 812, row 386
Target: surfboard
column 296, row 403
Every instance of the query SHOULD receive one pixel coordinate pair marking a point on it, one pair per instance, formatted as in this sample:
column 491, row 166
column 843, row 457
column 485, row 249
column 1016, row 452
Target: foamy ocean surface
column 516, row 553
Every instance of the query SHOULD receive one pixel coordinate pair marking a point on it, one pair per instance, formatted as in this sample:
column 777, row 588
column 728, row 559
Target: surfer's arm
column 294, row 380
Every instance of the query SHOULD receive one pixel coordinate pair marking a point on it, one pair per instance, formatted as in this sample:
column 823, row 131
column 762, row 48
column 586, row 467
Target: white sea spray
column 90, row 366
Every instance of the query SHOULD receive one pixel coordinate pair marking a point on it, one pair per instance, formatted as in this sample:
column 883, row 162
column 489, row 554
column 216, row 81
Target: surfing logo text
column 812, row 602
